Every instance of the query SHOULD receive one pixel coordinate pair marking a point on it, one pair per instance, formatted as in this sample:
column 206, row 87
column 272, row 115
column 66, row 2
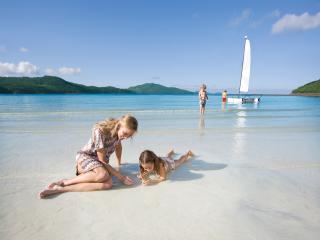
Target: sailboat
column 245, row 76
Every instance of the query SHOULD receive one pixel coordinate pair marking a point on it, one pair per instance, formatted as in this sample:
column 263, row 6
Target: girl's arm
column 143, row 175
column 118, row 151
column 102, row 158
column 162, row 177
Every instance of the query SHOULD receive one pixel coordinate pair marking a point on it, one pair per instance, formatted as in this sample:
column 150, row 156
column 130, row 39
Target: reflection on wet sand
column 239, row 138
column 223, row 106
column 201, row 126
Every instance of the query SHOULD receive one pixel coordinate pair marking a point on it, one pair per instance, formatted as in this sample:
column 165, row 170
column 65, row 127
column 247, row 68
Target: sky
column 182, row 43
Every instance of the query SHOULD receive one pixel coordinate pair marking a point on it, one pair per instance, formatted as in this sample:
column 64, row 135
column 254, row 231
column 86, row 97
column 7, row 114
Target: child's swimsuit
column 169, row 163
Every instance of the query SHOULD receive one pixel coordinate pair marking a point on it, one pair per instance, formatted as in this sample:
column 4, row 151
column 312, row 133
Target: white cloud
column 63, row 71
column 274, row 14
column 23, row 49
column 291, row 22
column 25, row 68
column 68, row 70
column 22, row 68
column 244, row 15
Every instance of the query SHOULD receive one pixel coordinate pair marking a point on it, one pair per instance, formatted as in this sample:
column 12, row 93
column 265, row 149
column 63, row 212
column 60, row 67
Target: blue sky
column 175, row 43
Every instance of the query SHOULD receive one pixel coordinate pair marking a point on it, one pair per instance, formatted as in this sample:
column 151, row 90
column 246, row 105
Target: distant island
column 309, row 89
column 52, row 84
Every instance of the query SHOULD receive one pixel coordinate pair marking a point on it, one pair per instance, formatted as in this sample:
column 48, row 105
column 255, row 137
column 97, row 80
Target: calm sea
column 280, row 130
column 27, row 113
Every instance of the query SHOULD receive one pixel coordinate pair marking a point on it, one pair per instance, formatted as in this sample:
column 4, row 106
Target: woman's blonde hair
column 110, row 126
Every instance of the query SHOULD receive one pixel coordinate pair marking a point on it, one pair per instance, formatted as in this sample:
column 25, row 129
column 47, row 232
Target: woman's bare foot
column 58, row 183
column 47, row 192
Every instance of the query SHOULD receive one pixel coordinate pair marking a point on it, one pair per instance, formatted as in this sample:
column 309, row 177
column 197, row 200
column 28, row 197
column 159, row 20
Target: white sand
column 242, row 185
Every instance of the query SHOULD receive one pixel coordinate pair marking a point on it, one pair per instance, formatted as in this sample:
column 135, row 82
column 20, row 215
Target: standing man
column 203, row 97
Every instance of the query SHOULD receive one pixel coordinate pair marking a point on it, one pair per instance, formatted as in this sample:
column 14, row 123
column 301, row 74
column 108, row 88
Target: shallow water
column 257, row 171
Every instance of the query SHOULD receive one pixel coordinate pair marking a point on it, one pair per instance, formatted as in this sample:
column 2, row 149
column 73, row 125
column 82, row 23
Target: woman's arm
column 102, row 158
column 118, row 151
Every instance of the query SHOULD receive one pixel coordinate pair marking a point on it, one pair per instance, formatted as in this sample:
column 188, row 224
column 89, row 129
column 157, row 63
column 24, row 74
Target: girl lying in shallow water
column 161, row 166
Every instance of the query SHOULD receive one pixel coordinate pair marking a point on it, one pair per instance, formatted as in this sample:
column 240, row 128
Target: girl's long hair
column 148, row 156
column 110, row 126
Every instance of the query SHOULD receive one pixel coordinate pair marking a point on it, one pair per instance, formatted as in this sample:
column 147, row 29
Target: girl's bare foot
column 190, row 154
column 170, row 153
column 58, row 183
column 47, row 192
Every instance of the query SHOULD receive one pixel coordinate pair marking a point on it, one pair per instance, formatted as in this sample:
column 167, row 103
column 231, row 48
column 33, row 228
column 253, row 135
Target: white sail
column 245, row 74
column 244, row 80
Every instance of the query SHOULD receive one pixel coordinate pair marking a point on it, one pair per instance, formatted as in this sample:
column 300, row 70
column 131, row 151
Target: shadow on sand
column 185, row 172
column 127, row 169
column 190, row 170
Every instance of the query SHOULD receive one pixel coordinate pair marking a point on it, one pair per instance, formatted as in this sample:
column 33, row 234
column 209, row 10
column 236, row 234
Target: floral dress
column 87, row 157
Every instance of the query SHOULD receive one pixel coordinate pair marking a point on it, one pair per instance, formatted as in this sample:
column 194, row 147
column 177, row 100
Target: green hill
column 51, row 84
column 312, row 88
column 4, row 90
column 152, row 88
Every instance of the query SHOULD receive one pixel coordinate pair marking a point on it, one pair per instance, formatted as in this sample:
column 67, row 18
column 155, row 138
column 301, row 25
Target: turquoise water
column 280, row 125
column 27, row 112
column 286, row 126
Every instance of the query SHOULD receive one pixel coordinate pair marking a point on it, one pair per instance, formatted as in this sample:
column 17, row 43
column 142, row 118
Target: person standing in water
column 203, row 97
column 224, row 96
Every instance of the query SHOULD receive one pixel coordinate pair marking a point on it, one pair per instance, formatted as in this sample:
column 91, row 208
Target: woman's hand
column 126, row 180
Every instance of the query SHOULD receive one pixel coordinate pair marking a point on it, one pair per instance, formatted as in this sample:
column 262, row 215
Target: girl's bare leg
column 96, row 175
column 183, row 158
column 80, row 187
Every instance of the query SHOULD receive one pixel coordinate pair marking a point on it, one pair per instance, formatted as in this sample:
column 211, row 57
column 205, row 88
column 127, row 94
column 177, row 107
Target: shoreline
column 163, row 94
column 306, row 94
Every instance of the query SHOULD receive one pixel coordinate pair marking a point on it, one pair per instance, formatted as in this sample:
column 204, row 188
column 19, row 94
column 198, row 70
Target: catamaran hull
column 243, row 100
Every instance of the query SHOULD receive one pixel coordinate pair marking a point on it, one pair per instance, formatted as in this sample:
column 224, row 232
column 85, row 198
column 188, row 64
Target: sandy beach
column 248, row 180
column 236, row 83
